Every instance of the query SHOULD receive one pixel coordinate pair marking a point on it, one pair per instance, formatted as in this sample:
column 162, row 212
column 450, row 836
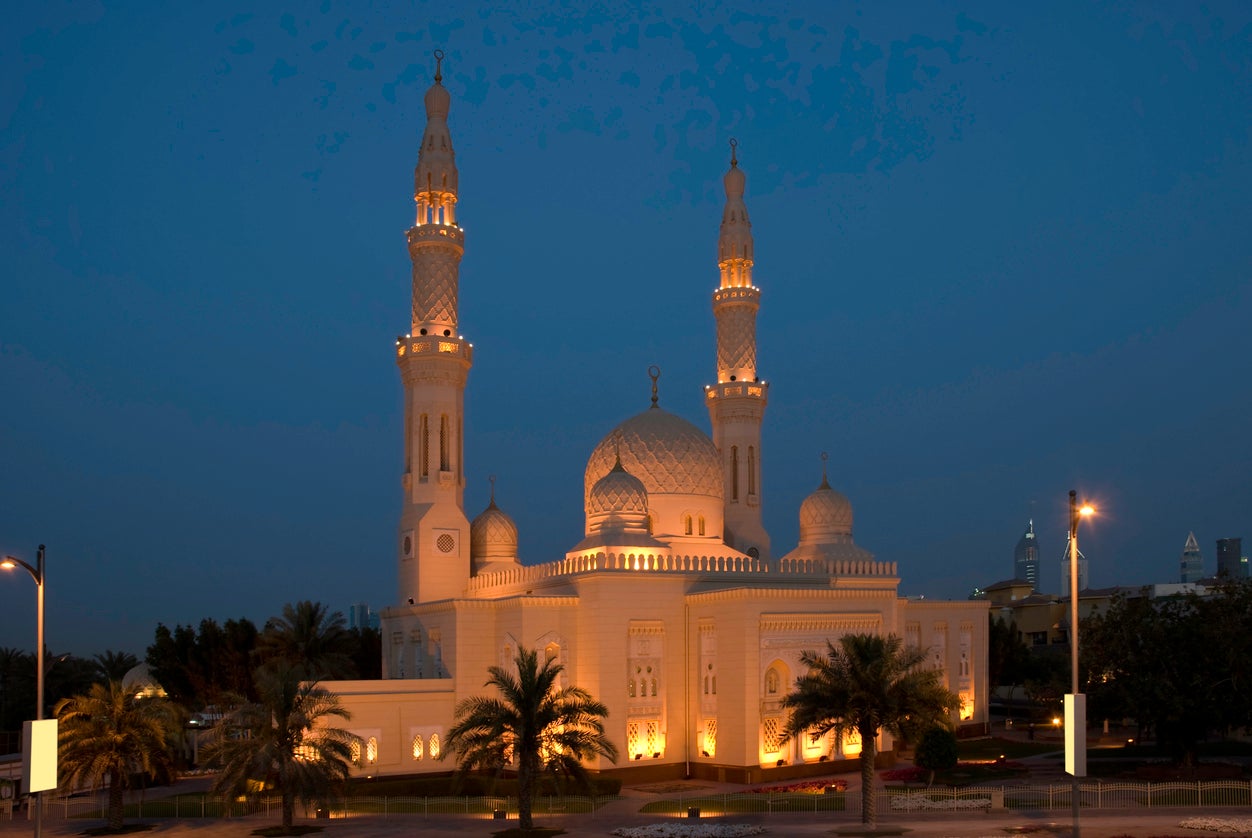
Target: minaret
column 737, row 401
column 434, row 361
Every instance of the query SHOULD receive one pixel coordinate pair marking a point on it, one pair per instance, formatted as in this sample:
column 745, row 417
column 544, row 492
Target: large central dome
column 669, row 454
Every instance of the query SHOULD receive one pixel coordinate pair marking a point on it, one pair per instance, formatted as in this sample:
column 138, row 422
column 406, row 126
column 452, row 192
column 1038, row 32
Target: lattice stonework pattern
column 736, row 340
column 771, row 730
column 666, row 452
column 435, row 276
column 710, row 736
column 633, row 742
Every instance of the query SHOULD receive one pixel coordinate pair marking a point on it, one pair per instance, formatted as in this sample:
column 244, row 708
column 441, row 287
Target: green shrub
column 936, row 751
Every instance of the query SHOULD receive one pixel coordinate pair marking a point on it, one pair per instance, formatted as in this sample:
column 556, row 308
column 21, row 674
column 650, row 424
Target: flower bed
column 914, row 802
column 680, row 830
column 811, row 787
column 1218, row 824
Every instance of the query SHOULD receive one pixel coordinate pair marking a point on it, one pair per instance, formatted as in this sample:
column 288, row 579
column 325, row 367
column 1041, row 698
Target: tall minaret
column 434, row 361
column 737, row 401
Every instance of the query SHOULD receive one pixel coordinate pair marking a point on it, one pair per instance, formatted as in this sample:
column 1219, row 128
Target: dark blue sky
column 1004, row 252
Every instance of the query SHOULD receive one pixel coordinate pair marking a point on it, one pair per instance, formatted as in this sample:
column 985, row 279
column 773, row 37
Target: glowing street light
column 36, row 573
column 1075, row 703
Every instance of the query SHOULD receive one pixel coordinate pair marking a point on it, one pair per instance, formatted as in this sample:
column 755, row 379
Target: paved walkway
column 1106, row 824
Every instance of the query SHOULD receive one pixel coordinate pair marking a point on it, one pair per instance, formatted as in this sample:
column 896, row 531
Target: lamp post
column 1076, row 715
column 36, row 573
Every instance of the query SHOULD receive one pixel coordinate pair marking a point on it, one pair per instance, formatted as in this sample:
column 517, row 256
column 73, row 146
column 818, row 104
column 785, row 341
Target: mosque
column 673, row 608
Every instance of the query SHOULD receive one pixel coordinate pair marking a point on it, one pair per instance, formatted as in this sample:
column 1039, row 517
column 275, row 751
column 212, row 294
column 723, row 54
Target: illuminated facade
column 672, row 608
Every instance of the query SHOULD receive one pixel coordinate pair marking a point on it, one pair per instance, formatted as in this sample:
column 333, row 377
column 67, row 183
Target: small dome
column 493, row 535
column 825, row 516
column 618, row 502
column 618, row 492
column 666, row 452
column 139, row 681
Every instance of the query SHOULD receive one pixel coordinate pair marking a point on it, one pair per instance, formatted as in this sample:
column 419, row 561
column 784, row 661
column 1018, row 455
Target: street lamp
column 36, row 573
column 1075, row 703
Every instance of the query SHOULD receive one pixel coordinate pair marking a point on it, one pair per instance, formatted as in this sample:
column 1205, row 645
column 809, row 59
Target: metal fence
column 891, row 800
column 1094, row 795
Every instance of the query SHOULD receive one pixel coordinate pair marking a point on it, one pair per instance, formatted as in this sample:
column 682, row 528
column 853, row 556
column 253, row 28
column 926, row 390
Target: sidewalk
column 624, row 813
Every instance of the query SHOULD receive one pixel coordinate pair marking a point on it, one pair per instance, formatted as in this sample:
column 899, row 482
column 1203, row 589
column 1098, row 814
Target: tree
column 936, row 752
column 113, row 666
column 283, row 741
column 309, row 635
column 541, row 727
column 868, row 683
column 110, row 734
column 199, row 668
column 1180, row 666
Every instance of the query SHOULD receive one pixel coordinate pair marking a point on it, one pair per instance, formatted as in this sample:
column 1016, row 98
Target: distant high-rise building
column 360, row 616
column 1192, row 561
column 1082, row 569
column 1230, row 559
column 1026, row 557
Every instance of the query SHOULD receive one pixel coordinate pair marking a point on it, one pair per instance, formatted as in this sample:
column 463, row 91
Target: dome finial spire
column 491, row 478
column 825, row 482
column 734, row 161
column 654, row 372
column 438, row 66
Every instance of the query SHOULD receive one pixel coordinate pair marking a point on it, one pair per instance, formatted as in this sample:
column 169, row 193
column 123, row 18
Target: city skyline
column 994, row 260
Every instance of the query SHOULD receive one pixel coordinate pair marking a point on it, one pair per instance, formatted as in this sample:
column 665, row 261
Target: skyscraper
column 1230, row 559
column 1192, row 561
column 1082, row 569
column 1026, row 557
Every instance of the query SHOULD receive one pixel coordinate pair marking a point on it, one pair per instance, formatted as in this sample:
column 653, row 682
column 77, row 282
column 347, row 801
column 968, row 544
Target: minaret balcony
column 434, row 346
column 435, row 233
column 755, row 390
column 745, row 295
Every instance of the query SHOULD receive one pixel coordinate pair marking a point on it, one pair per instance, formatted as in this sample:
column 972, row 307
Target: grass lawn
column 976, row 749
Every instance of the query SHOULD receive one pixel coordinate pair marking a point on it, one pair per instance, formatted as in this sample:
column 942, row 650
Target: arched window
column 772, row 681
column 419, row 749
column 551, row 652
column 371, row 750
column 701, row 522
column 734, row 472
column 653, row 686
column 687, row 524
column 444, row 442
column 355, row 751
column 424, row 430
column 630, row 688
column 433, row 747
column 706, row 685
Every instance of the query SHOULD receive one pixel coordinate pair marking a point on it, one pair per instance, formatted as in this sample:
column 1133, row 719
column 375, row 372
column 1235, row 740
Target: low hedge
column 474, row 785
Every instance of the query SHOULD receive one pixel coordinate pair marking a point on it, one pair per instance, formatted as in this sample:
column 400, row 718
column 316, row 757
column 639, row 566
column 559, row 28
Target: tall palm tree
column 308, row 634
column 113, row 666
column 110, row 734
column 535, row 723
column 868, row 683
column 283, row 742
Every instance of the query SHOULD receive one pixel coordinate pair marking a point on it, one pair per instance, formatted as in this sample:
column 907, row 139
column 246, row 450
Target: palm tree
column 868, row 683
column 113, row 666
column 535, row 723
column 308, row 634
column 110, row 734
column 283, row 741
